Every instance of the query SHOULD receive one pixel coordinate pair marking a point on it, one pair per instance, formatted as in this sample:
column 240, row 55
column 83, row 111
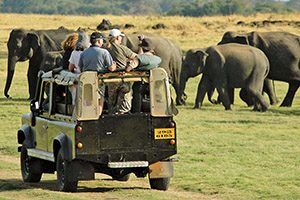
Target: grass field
column 238, row 154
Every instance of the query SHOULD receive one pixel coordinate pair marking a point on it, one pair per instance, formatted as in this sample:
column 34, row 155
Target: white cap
column 115, row 33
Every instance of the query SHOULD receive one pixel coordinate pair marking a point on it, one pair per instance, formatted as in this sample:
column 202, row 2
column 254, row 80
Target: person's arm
column 140, row 50
column 71, row 67
column 128, row 53
column 80, row 64
column 111, row 65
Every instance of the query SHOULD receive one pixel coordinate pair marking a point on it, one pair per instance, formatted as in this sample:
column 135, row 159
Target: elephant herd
column 247, row 61
column 44, row 47
column 251, row 63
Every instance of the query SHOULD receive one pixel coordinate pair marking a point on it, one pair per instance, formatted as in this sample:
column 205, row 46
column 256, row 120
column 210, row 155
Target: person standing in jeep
column 97, row 59
column 119, row 94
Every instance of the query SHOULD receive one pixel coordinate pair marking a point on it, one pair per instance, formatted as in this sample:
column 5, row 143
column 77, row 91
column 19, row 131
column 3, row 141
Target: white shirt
column 74, row 59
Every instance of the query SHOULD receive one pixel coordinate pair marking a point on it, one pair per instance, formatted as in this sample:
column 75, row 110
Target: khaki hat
column 115, row 33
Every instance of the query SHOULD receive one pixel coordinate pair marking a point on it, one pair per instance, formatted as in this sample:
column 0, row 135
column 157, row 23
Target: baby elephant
column 230, row 66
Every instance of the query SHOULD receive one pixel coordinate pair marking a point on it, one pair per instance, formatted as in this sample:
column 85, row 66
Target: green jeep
column 77, row 142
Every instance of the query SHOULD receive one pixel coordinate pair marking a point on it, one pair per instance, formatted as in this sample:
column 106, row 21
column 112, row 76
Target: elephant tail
column 273, row 82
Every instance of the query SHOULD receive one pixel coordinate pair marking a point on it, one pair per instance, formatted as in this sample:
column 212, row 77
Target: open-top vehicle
column 77, row 141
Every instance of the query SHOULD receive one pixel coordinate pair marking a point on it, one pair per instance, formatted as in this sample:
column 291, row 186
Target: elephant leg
column 288, row 100
column 210, row 92
column 32, row 74
column 220, row 81
column 180, row 99
column 245, row 97
column 219, row 100
column 203, row 87
column 255, row 90
column 180, row 95
column 223, row 94
column 270, row 90
column 231, row 95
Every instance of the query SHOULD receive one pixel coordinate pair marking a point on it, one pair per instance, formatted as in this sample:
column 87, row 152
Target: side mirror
column 34, row 108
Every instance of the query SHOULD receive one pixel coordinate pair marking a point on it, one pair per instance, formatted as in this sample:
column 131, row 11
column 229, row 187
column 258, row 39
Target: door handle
column 45, row 127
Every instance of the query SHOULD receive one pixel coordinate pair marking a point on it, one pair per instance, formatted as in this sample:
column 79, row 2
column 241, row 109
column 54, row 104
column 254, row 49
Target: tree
column 149, row 7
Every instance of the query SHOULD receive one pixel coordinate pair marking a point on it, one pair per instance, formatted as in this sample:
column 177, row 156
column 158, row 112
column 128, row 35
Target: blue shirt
column 95, row 58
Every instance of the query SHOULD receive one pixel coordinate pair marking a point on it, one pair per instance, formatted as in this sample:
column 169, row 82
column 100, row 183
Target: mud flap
column 162, row 169
column 82, row 171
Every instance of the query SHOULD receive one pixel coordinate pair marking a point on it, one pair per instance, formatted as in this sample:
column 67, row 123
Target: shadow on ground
column 4, row 99
column 285, row 111
column 107, row 189
column 17, row 184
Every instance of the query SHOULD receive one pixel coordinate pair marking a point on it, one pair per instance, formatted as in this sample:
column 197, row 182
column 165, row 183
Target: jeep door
column 41, row 133
column 41, row 126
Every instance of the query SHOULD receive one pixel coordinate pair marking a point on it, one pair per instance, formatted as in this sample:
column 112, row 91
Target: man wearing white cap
column 120, row 53
column 119, row 94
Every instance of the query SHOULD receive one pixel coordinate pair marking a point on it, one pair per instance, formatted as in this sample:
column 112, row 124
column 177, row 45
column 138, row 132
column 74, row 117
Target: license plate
column 164, row 133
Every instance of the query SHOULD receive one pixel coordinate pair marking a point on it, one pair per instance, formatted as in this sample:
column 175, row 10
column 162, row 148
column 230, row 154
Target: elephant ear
column 242, row 39
column 33, row 40
column 202, row 55
column 255, row 40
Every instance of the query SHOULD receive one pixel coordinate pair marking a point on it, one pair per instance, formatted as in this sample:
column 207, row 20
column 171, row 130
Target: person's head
column 96, row 39
column 116, row 36
column 147, row 45
column 70, row 42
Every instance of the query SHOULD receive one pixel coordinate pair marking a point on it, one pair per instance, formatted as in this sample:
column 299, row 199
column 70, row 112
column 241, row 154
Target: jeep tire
column 159, row 183
column 122, row 178
column 65, row 182
column 31, row 168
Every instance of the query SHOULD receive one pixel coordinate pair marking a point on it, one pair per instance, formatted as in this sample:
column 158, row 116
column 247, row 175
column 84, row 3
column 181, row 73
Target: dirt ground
column 11, row 184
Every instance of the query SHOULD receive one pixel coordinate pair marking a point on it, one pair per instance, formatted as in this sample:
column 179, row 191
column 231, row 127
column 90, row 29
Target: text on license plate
column 164, row 133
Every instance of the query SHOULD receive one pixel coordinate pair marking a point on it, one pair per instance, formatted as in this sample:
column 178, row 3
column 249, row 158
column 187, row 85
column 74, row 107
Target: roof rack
column 62, row 77
column 124, row 76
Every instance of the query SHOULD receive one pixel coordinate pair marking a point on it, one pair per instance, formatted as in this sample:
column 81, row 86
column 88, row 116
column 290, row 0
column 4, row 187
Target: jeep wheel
column 30, row 167
column 159, row 183
column 123, row 178
column 65, row 181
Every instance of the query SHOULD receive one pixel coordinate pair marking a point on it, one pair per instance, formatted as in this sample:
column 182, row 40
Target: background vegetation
column 141, row 7
column 237, row 154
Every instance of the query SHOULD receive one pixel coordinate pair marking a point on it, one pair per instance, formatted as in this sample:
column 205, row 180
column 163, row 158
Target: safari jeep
column 77, row 142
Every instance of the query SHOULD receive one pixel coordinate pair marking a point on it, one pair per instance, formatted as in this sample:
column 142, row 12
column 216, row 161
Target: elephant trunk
column 12, row 60
column 183, row 80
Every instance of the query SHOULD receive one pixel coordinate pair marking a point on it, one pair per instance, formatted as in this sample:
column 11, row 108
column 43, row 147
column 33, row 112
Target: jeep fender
column 64, row 142
column 26, row 136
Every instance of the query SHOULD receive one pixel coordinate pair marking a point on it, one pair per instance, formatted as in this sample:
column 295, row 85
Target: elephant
column 190, row 70
column 52, row 60
column 283, row 51
column 169, row 53
column 226, row 67
column 31, row 45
